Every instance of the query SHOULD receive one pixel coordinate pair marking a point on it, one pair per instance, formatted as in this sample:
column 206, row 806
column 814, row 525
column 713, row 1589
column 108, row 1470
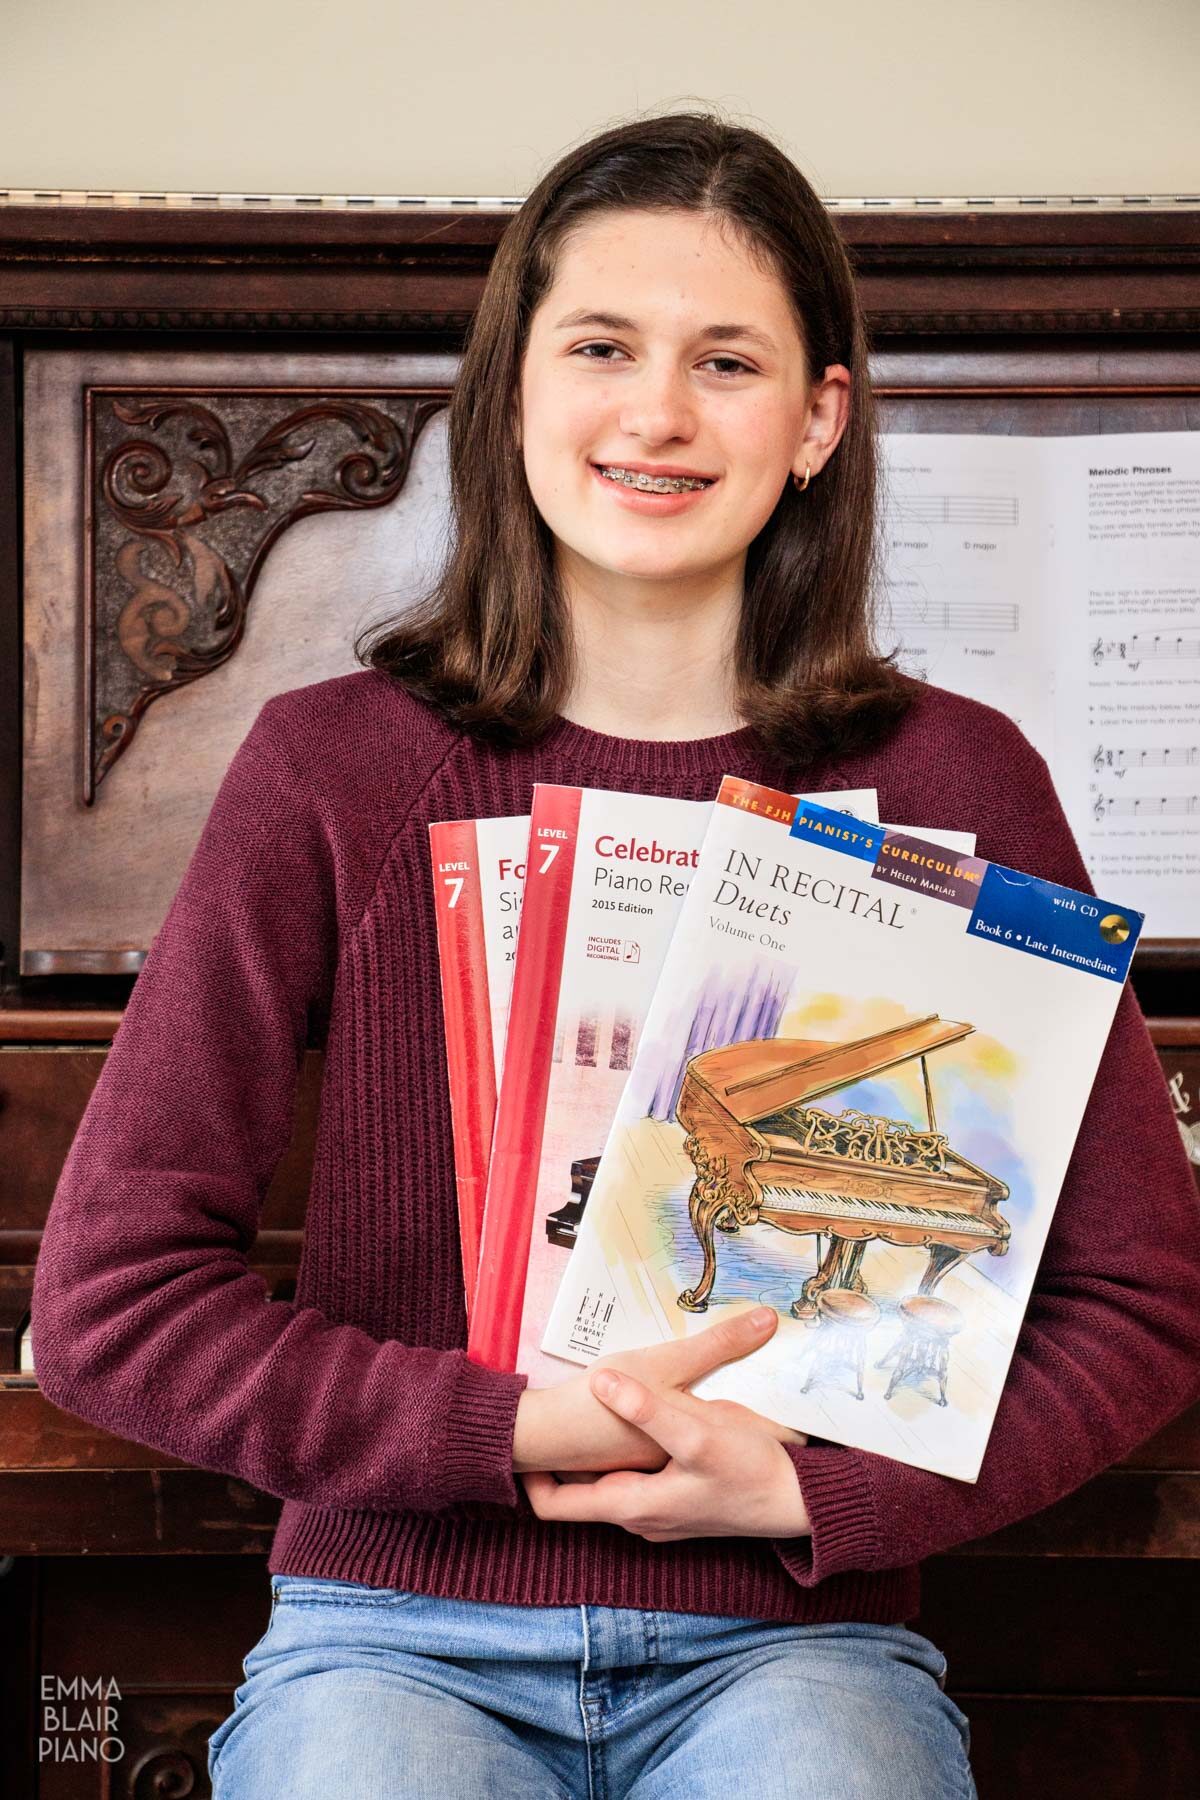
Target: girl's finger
column 681, row 1434
column 686, row 1359
column 611, row 1500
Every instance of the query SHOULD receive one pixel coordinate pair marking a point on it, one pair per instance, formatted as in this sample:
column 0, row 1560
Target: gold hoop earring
column 801, row 485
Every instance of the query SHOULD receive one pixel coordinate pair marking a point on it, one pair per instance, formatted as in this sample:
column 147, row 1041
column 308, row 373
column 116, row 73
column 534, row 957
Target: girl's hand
column 567, row 1427
column 727, row 1474
column 721, row 1468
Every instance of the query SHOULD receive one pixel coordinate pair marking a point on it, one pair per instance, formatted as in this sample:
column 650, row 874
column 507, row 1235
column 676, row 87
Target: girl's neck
column 663, row 674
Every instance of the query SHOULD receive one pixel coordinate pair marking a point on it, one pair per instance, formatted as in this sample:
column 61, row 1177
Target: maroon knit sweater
column 308, row 904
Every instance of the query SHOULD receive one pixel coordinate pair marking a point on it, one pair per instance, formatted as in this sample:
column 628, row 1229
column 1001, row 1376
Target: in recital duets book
column 478, row 868
column 606, row 877
column 855, row 1098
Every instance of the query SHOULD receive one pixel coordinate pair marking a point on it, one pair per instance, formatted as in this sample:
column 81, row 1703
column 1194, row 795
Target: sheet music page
column 1127, row 728
column 1058, row 579
column 965, row 524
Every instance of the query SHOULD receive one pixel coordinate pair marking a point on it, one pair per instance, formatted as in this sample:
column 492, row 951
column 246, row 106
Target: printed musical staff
column 909, row 612
column 1142, row 645
column 957, row 509
column 1161, row 756
column 1143, row 806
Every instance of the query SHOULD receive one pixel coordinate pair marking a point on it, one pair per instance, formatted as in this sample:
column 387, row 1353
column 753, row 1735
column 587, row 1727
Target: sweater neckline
column 658, row 756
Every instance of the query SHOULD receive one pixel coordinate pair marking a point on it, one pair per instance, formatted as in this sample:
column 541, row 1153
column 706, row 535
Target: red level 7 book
column 478, row 868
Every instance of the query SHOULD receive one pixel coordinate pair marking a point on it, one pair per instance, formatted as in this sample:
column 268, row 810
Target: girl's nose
column 658, row 407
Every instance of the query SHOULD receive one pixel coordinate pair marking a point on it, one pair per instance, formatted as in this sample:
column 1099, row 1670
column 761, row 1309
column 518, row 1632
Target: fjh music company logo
column 79, row 1720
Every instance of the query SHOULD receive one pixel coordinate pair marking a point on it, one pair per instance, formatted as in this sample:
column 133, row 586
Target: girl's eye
column 738, row 368
column 735, row 366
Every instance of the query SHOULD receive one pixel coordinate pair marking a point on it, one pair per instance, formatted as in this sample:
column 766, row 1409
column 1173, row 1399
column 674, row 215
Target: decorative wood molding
column 188, row 490
column 1040, row 322
column 1033, row 265
column 90, row 319
column 1044, row 322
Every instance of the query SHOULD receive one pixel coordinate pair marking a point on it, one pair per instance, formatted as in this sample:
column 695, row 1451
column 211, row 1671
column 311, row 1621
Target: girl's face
column 662, row 346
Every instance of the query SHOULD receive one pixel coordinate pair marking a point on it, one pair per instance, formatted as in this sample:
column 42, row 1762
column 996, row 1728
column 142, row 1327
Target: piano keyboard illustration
column 883, row 1212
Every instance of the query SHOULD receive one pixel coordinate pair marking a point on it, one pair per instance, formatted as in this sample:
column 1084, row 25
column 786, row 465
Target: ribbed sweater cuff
column 841, row 1510
column 476, row 1459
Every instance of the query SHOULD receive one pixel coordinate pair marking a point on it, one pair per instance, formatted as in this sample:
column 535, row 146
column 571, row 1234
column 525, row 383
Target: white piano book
column 854, row 1098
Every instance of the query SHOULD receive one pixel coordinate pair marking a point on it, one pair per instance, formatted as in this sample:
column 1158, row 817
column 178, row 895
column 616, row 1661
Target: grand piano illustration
column 764, row 1153
column 562, row 1225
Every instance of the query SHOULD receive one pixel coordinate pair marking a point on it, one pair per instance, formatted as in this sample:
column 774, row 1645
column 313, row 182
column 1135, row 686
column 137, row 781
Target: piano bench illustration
column 765, row 1153
column 923, row 1346
column 844, row 1320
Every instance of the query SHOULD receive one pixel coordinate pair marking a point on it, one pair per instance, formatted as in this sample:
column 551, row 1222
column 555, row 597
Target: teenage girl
column 607, row 1588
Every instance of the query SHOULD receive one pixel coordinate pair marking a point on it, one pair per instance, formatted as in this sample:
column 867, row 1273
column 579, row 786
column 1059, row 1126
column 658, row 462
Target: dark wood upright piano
column 1071, row 1637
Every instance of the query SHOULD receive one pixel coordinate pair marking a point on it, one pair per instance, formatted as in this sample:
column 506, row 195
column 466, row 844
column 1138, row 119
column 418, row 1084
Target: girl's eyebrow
column 711, row 333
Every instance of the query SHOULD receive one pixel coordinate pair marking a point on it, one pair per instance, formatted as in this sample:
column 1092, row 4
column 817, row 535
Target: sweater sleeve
column 1109, row 1349
column 146, row 1318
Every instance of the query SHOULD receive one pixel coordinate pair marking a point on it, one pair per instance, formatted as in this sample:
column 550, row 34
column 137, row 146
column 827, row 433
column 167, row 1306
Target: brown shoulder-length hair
column 490, row 644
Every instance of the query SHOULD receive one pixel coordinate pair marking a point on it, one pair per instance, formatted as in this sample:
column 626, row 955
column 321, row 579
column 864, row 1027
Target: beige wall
column 957, row 97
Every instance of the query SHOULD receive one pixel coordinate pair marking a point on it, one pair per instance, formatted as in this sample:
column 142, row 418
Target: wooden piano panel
column 1079, row 1678
column 98, row 802
column 171, row 1635
column 66, row 1487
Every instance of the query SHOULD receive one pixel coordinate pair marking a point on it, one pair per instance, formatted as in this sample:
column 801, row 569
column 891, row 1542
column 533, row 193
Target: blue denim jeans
column 381, row 1694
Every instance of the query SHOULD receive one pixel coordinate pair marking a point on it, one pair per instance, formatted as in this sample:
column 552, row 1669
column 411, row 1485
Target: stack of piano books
column 606, row 875
column 479, row 870
column 854, row 1097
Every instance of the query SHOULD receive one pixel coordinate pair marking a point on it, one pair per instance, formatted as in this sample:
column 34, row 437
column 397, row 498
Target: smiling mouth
column 652, row 484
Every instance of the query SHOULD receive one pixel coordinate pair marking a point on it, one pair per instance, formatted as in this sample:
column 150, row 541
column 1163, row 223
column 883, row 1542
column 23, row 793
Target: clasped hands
column 625, row 1443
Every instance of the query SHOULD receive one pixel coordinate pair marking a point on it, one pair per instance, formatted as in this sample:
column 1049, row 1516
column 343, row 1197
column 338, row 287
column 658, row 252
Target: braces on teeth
column 657, row 484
